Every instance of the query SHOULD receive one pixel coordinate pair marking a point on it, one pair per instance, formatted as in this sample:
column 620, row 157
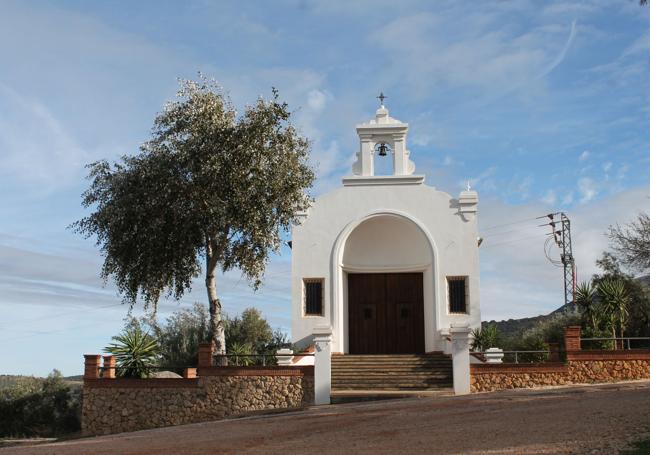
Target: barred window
column 457, row 294
column 313, row 296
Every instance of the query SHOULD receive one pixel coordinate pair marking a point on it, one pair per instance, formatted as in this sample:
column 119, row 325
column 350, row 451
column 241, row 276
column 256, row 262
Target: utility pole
column 561, row 235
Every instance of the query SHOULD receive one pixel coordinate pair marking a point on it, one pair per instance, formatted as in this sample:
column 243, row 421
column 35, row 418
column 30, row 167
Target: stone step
column 407, row 378
column 355, row 395
column 418, row 387
column 391, row 381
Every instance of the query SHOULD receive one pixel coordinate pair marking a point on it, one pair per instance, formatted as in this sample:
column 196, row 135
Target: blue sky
column 541, row 106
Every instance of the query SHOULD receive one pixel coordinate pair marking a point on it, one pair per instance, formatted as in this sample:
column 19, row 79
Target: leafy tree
column 179, row 337
column 40, row 407
column 135, row 351
column 250, row 329
column 632, row 242
column 211, row 189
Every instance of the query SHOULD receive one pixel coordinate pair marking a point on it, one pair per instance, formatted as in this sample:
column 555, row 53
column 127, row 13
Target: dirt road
column 585, row 419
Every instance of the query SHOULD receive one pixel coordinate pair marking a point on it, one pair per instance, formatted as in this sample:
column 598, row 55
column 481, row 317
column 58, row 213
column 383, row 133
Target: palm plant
column 586, row 300
column 485, row 338
column 243, row 350
column 136, row 352
column 615, row 301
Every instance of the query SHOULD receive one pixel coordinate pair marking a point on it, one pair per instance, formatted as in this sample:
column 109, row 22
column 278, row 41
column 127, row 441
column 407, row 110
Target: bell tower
column 379, row 137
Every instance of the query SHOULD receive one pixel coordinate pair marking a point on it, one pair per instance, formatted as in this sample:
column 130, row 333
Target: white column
column 322, row 364
column 367, row 164
column 399, row 156
column 460, row 341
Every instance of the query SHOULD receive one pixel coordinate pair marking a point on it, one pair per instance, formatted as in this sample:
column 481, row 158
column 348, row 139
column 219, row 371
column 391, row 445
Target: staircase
column 365, row 377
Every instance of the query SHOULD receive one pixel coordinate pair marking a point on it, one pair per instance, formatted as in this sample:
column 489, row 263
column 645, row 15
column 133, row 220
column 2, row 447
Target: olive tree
column 211, row 190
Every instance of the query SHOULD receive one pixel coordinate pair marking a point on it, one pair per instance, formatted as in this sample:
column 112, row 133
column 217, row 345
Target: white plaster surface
column 388, row 224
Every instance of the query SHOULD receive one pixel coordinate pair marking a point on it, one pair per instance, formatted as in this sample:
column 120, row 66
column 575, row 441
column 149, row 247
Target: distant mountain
column 514, row 327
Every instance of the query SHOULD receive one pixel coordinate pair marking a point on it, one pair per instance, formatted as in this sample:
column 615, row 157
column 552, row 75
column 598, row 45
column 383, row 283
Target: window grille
column 457, row 294
column 313, row 296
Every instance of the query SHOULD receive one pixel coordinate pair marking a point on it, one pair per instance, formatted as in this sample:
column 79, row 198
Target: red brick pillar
column 554, row 352
column 91, row 366
column 572, row 338
column 205, row 354
column 108, row 372
column 189, row 373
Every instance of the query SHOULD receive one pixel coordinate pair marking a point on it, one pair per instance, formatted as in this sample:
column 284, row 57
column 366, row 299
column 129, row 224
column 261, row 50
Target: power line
column 508, row 224
column 490, row 245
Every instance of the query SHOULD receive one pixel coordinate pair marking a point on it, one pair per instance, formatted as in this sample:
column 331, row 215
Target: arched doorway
column 386, row 264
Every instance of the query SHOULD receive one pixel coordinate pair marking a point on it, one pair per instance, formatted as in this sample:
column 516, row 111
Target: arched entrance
column 387, row 283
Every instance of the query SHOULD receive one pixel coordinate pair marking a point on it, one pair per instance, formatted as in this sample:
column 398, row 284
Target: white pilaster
column 322, row 364
column 460, row 341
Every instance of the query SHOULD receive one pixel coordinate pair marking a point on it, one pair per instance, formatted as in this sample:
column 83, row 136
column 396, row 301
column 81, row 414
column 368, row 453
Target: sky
column 540, row 106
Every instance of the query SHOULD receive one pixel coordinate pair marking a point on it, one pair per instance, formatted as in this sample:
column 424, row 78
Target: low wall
column 115, row 405
column 581, row 367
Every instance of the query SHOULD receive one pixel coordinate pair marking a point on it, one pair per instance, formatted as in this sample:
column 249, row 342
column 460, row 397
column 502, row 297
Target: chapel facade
column 386, row 261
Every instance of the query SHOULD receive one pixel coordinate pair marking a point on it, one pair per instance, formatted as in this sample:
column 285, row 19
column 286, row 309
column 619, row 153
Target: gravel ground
column 579, row 419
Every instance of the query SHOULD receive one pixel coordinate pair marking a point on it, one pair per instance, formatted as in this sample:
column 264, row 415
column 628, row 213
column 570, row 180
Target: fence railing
column 253, row 359
column 517, row 356
column 616, row 343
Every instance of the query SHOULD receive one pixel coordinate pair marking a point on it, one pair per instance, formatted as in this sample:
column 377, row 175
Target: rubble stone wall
column 582, row 368
column 118, row 405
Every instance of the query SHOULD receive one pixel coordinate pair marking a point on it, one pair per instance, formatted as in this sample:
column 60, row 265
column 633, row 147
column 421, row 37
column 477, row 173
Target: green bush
column 40, row 407
column 485, row 338
column 136, row 352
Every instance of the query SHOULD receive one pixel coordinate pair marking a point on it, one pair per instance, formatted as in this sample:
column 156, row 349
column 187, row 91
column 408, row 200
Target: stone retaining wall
column 486, row 378
column 581, row 367
column 117, row 405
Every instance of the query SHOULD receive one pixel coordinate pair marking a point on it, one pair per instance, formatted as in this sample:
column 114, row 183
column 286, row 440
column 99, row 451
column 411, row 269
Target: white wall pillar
column 367, row 163
column 322, row 364
column 399, row 156
column 284, row 357
column 460, row 341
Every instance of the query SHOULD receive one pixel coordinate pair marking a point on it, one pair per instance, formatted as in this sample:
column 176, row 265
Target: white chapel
column 386, row 261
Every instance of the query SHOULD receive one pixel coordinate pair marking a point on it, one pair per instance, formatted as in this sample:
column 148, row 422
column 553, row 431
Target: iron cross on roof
column 381, row 98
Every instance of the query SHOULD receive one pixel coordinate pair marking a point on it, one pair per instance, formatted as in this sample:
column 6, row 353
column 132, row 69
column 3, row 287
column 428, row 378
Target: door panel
column 385, row 313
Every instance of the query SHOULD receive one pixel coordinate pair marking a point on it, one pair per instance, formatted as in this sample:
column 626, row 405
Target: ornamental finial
column 381, row 98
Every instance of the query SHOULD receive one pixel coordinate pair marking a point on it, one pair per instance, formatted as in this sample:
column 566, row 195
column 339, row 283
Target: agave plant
column 485, row 338
column 136, row 352
column 241, row 349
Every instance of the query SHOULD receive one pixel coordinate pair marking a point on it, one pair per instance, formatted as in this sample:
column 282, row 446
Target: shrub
column 40, row 407
column 135, row 351
column 485, row 338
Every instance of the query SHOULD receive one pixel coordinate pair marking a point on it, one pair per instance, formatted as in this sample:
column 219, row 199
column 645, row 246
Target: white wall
column 384, row 227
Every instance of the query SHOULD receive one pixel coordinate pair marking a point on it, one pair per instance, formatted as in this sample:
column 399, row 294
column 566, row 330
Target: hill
column 514, row 327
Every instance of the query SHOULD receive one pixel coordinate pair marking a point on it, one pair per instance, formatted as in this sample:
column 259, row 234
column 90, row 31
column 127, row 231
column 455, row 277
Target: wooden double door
column 385, row 313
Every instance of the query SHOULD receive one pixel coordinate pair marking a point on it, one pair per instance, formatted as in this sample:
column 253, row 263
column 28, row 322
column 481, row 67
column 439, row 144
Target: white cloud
column 316, row 100
column 568, row 199
column 641, row 45
column 37, row 148
column 584, row 155
column 607, row 166
column 587, row 188
column 549, row 198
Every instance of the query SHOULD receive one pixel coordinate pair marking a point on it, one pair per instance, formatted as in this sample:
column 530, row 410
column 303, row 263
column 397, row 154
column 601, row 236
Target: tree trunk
column 217, row 333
